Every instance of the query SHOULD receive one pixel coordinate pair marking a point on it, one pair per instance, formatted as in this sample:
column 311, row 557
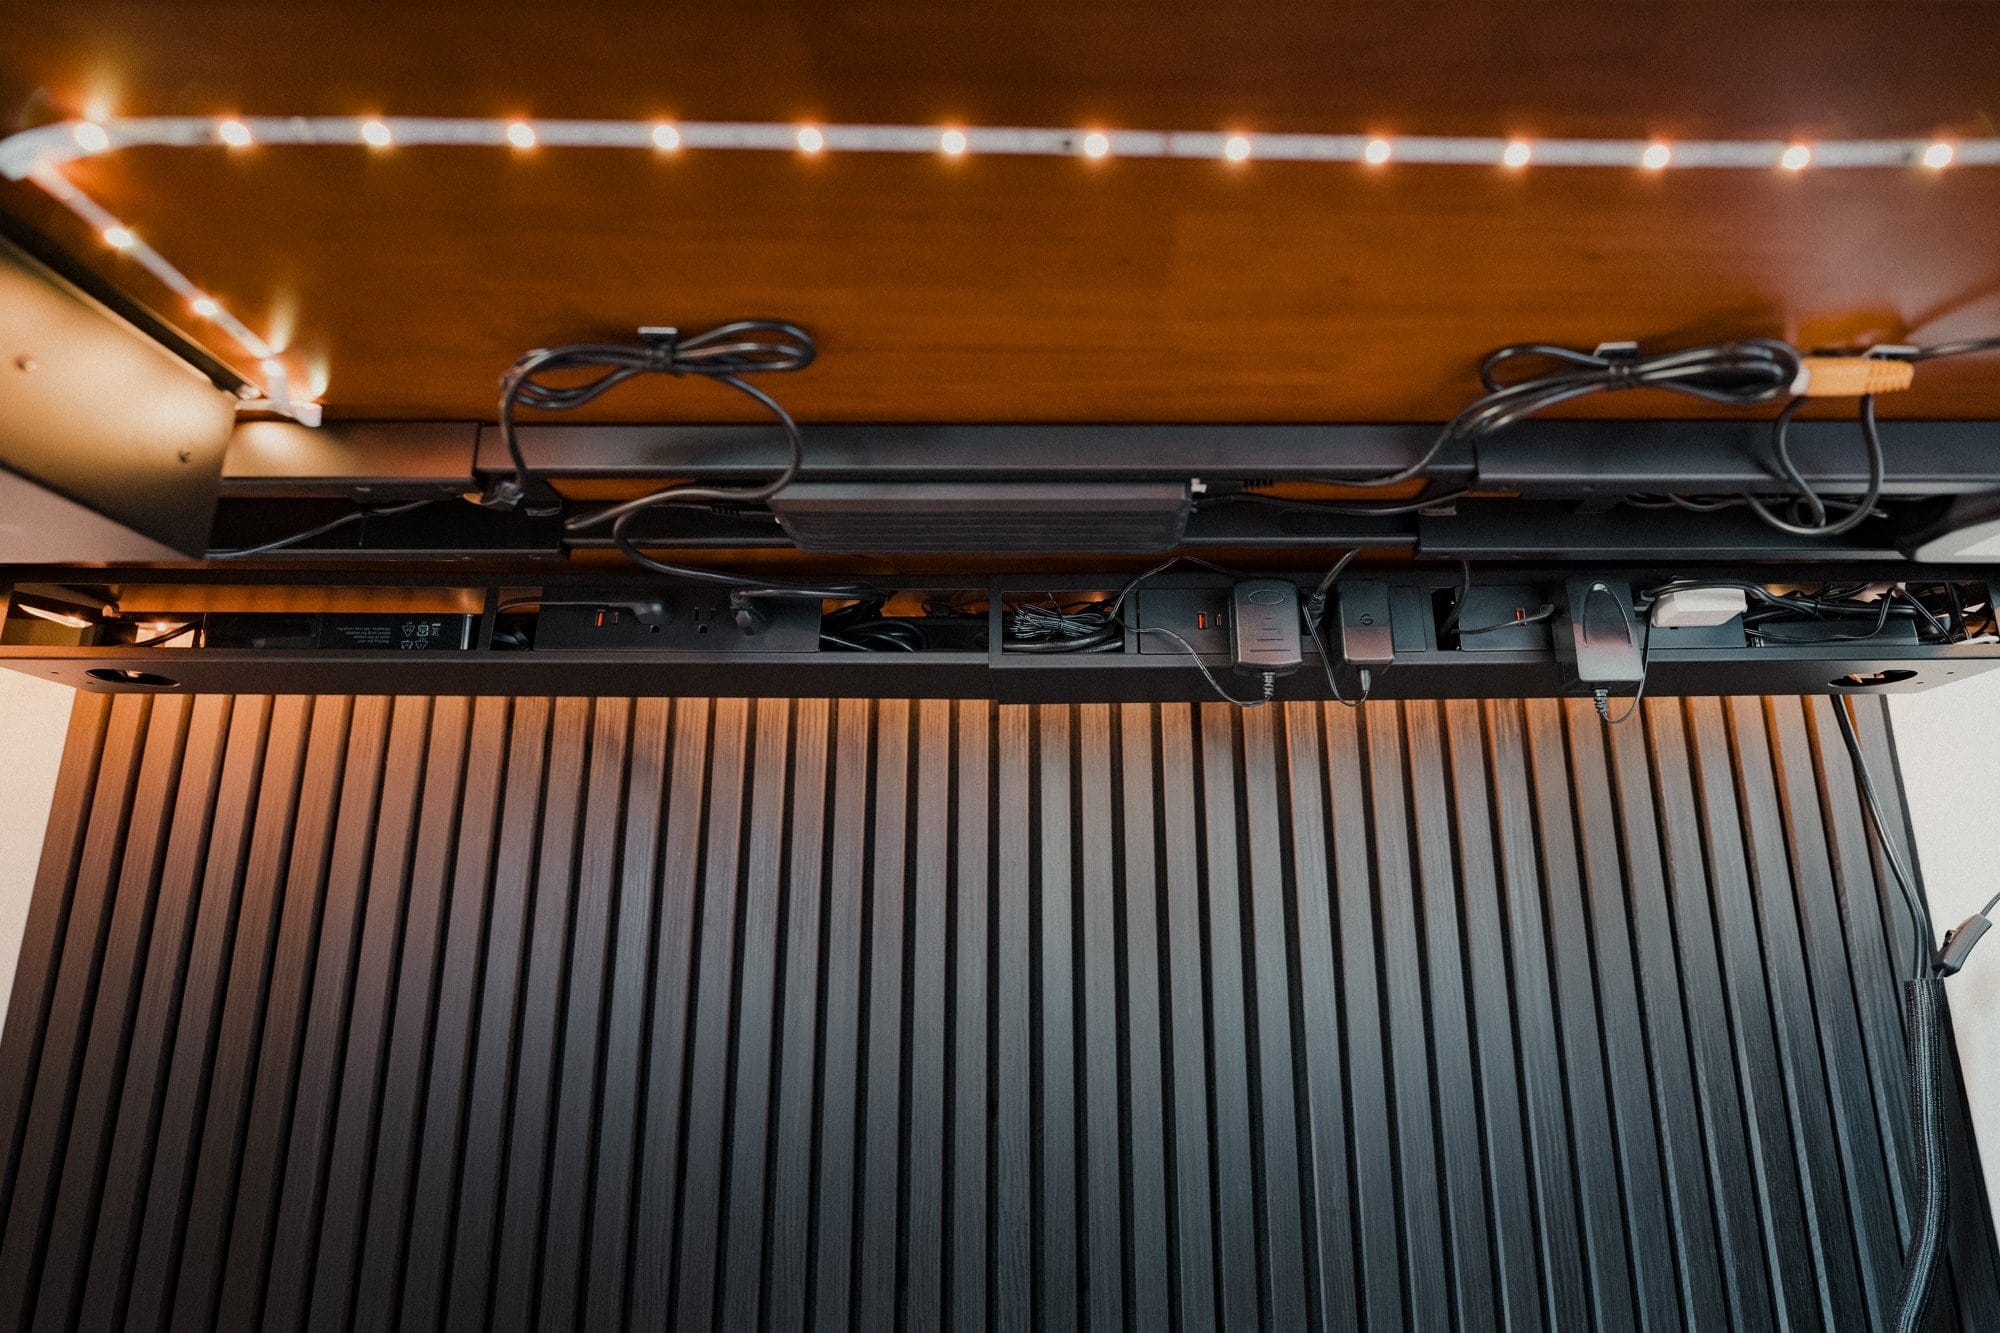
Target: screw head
column 187, row 455
column 26, row 362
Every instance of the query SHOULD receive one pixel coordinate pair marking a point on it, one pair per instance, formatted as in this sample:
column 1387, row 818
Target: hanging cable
column 333, row 525
column 1818, row 524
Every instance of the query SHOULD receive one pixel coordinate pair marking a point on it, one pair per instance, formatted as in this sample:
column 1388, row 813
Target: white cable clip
column 278, row 399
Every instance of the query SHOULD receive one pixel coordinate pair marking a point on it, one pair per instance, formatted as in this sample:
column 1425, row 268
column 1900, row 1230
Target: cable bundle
column 1738, row 374
column 1071, row 627
column 1835, row 603
column 724, row 354
column 1745, row 373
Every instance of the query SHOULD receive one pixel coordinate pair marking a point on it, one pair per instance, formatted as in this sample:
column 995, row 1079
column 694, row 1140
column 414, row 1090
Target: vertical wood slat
column 1014, row 1161
column 566, row 1211
column 625, row 1017
column 830, row 1291
column 715, row 944
column 322, row 1207
column 139, row 1232
column 1448, row 1019
column 121, row 868
column 346, row 757
column 538, row 1029
column 458, row 784
column 652, row 1263
column 419, row 1264
column 489, row 1097
column 181, row 1252
column 754, row 1043
column 69, row 834
column 1235, row 1172
column 1769, row 999
column 788, row 1271
column 447, row 1012
column 968, row 1263
column 111, row 1134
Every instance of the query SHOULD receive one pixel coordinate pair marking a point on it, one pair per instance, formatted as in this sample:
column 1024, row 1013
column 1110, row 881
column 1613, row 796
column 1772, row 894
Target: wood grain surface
column 1036, row 289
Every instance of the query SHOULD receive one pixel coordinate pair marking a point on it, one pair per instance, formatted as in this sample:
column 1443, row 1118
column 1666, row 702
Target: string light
column 22, row 154
column 38, row 154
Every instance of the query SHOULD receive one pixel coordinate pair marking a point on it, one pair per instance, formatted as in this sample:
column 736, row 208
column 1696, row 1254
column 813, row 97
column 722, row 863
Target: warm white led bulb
column 521, row 134
column 1656, row 156
column 1796, row 158
column 1096, row 144
column 952, row 143
column 666, row 137
column 375, row 134
column 1377, row 152
column 1516, row 154
column 1236, row 148
column 811, row 140
column 234, row 133
column 1938, row 156
column 205, row 306
column 119, row 238
column 90, row 137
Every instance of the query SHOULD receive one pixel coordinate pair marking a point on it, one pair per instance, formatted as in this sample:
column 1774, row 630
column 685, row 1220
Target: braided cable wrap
column 1923, row 1011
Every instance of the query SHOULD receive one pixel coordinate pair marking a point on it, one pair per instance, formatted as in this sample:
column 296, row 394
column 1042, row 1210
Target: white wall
column 34, row 714
column 1948, row 743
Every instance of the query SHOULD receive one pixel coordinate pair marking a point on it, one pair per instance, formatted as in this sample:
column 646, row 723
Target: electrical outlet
column 1199, row 616
column 701, row 622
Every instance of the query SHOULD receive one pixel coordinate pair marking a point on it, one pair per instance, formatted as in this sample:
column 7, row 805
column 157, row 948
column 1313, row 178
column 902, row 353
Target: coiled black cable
column 725, row 354
column 1737, row 374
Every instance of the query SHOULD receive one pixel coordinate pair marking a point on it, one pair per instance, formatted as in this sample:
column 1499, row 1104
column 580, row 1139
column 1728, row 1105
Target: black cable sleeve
column 1923, row 1013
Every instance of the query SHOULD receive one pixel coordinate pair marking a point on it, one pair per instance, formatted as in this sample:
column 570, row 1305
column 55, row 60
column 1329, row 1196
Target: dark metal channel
column 372, row 1012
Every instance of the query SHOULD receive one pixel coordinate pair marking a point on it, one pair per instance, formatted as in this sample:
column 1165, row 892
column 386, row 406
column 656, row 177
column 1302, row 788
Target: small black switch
column 1365, row 638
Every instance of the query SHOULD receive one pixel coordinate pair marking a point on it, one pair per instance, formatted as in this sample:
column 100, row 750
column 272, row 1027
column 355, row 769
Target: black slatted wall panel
column 364, row 1012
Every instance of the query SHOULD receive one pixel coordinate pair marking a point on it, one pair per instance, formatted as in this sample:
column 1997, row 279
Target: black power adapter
column 1264, row 628
column 1600, row 641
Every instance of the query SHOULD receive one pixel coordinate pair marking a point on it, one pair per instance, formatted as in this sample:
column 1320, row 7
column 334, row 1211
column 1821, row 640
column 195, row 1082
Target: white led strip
column 38, row 155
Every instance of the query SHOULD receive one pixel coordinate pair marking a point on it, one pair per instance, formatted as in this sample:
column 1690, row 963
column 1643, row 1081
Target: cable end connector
column 1852, row 376
column 1959, row 942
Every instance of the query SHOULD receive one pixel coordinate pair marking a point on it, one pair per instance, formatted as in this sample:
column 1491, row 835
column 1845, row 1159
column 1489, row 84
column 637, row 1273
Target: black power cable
column 1819, row 524
column 725, row 354
column 332, row 525
column 1924, row 1014
column 1738, row 374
